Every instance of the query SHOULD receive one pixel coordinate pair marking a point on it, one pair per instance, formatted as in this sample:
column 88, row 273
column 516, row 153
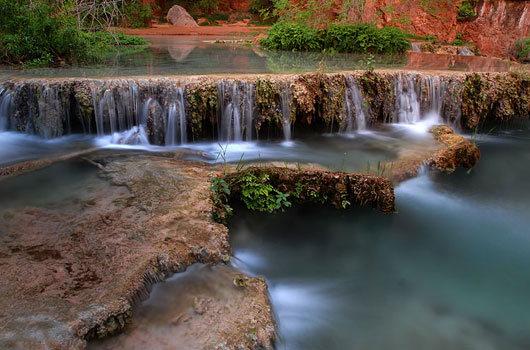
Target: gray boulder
column 179, row 17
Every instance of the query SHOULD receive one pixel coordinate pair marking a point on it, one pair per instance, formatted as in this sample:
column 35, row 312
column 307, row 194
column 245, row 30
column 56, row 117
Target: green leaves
column 258, row 194
column 358, row 38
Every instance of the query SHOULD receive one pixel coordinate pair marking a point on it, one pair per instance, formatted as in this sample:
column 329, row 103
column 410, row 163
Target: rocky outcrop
column 178, row 16
column 313, row 102
column 339, row 189
column 456, row 150
column 496, row 27
column 76, row 268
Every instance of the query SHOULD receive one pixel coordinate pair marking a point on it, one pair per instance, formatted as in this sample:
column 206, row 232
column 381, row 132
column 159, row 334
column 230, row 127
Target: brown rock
column 179, row 17
column 202, row 20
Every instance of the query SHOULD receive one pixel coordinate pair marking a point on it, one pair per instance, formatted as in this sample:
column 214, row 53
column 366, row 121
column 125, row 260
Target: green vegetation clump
column 37, row 33
column 458, row 41
column 258, row 194
column 466, row 12
column 493, row 99
column 293, row 36
column 521, row 50
column 351, row 38
column 138, row 15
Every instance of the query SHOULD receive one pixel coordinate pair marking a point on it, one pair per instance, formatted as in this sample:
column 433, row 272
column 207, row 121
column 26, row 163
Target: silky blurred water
column 449, row 271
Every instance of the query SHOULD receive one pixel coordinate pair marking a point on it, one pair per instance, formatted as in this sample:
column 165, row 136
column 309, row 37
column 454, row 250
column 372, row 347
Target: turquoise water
column 189, row 55
column 449, row 271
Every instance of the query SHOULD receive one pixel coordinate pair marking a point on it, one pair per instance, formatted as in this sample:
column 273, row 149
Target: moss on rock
column 201, row 105
column 457, row 151
column 336, row 188
column 492, row 99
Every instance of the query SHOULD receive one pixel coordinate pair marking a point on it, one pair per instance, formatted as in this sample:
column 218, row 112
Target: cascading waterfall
column 432, row 94
column 5, row 109
column 419, row 97
column 105, row 107
column 407, row 104
column 286, row 113
column 354, row 108
column 176, row 121
column 236, row 111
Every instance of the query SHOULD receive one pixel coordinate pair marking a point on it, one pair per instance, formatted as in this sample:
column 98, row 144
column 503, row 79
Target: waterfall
column 135, row 136
column 286, row 113
column 236, row 110
column 432, row 96
column 415, row 47
column 176, row 121
column 407, row 104
column 5, row 109
column 142, row 119
column 354, row 108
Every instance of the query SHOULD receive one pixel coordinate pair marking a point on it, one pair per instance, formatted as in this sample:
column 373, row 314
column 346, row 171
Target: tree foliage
column 40, row 32
column 353, row 38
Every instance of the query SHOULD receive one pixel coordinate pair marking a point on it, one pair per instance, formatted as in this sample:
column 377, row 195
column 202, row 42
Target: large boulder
column 178, row 16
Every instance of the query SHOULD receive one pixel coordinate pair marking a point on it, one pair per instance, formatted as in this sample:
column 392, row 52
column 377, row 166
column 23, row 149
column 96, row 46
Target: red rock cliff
column 497, row 26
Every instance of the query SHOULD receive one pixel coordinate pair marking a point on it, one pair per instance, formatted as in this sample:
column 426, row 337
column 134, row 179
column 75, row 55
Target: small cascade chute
column 407, row 103
column 286, row 113
column 236, row 111
column 354, row 108
column 5, row 109
column 136, row 136
column 142, row 118
column 176, row 121
column 415, row 47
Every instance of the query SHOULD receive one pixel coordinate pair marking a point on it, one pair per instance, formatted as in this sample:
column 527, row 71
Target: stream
column 448, row 271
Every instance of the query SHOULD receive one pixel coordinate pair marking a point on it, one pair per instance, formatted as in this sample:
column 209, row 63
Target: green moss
column 377, row 89
column 494, row 99
column 202, row 105
column 268, row 102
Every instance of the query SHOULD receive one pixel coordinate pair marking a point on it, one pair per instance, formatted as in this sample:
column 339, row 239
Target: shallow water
column 158, row 321
column 449, row 271
column 196, row 55
column 335, row 151
column 17, row 147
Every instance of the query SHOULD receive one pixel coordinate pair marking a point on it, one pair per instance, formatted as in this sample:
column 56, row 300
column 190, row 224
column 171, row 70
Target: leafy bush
column 358, row 38
column 138, row 15
column 258, row 194
column 458, row 41
column 293, row 36
column 466, row 12
column 32, row 33
column 521, row 49
column 36, row 34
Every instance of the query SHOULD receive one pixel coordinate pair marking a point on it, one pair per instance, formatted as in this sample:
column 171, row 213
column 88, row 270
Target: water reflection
column 184, row 55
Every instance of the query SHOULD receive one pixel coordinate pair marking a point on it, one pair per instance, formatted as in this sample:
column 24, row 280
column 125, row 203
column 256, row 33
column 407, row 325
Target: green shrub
column 30, row 32
column 466, row 12
column 138, row 15
column 294, row 37
column 521, row 49
column 358, row 38
column 37, row 34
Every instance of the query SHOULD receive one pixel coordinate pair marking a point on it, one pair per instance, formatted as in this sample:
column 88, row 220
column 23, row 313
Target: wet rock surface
column 312, row 102
column 74, row 267
column 207, row 307
column 456, row 151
